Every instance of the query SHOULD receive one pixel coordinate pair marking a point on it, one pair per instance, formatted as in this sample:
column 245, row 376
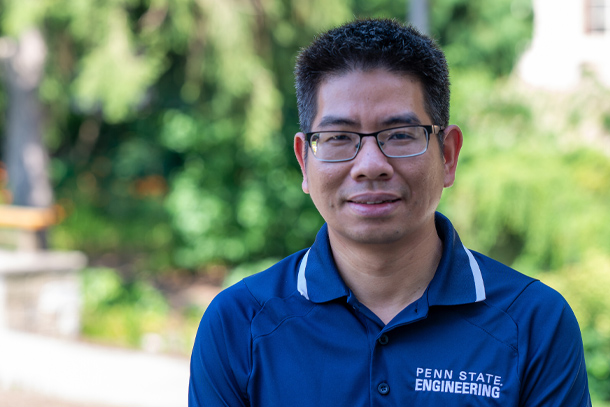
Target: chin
column 374, row 235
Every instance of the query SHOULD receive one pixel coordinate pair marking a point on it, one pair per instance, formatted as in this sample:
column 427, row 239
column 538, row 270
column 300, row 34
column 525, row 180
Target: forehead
column 369, row 100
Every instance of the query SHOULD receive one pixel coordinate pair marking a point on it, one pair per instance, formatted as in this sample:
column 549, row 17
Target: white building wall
column 562, row 48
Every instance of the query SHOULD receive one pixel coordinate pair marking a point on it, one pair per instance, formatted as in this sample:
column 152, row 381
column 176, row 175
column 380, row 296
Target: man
column 387, row 307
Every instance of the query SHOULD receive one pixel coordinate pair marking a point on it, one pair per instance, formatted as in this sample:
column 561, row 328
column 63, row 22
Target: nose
column 371, row 163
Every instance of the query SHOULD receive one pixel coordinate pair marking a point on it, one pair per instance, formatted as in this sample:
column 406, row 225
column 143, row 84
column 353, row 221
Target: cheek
column 429, row 181
column 324, row 187
column 435, row 181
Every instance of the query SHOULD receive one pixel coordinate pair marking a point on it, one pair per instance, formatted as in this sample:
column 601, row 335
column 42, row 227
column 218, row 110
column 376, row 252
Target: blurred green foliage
column 171, row 122
column 170, row 126
column 483, row 35
column 135, row 314
column 114, row 308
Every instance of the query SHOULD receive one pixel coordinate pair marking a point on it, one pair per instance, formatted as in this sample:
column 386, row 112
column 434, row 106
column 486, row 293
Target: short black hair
column 369, row 44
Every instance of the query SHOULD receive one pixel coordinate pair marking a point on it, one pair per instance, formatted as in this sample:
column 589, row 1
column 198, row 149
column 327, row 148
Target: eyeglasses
column 398, row 142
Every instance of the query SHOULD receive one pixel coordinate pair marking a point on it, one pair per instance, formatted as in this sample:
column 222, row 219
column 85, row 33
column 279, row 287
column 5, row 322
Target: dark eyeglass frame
column 430, row 130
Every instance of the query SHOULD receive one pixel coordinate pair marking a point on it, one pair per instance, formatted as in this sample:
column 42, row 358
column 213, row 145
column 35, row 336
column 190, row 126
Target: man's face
column 374, row 199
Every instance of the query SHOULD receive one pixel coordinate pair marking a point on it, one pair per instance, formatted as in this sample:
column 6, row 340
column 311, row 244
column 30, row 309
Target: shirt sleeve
column 551, row 350
column 220, row 361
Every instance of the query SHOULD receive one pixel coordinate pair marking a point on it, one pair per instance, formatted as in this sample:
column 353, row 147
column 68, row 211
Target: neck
column 387, row 278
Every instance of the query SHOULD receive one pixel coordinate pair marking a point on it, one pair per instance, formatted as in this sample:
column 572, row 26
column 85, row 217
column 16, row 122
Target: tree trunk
column 418, row 15
column 25, row 155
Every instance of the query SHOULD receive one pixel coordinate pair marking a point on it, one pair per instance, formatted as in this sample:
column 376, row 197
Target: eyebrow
column 336, row 121
column 406, row 118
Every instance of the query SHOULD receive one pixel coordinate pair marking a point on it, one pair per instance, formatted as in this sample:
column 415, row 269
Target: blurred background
column 146, row 151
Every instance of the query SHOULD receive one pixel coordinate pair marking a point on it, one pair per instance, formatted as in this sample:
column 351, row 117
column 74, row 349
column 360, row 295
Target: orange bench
column 28, row 223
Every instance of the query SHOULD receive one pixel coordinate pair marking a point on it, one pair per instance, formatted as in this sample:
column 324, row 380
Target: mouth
column 373, row 198
column 378, row 202
column 374, row 205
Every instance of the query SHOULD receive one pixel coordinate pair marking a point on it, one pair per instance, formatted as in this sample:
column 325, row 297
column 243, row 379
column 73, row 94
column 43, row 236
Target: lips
column 373, row 199
column 375, row 202
column 373, row 205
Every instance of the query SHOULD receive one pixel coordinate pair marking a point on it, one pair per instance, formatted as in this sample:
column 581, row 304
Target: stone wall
column 40, row 292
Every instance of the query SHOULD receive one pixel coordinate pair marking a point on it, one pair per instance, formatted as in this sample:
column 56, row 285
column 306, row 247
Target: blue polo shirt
column 482, row 334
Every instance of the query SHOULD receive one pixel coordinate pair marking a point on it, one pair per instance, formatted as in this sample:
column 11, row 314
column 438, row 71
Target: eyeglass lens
column 341, row 145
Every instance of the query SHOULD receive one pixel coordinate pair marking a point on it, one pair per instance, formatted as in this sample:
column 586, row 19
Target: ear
column 300, row 149
column 451, row 152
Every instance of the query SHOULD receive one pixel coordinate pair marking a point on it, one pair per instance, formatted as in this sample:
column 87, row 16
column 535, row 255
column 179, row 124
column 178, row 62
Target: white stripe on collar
column 301, row 280
column 476, row 274
column 474, row 267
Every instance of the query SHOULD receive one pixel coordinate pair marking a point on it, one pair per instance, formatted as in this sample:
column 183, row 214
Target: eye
column 403, row 135
column 336, row 138
column 340, row 137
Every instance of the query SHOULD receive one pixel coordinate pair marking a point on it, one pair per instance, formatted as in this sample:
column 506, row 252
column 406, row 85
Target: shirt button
column 383, row 339
column 383, row 389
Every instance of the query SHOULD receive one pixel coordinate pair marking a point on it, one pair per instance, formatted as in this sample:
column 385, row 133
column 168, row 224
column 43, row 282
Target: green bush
column 134, row 314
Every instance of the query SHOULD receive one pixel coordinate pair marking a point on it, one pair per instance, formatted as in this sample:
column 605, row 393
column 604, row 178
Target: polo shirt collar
column 457, row 280
column 319, row 279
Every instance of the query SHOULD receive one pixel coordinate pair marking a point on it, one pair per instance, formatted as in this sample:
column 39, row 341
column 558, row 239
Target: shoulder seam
column 489, row 333
column 252, row 294
column 286, row 318
column 250, row 362
column 520, row 293
column 507, row 312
